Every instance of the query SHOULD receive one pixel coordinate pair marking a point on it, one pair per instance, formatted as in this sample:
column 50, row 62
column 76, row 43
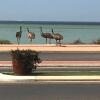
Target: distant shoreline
column 49, row 22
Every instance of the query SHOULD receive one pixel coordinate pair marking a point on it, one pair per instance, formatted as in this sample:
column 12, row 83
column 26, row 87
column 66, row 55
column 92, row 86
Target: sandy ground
column 52, row 47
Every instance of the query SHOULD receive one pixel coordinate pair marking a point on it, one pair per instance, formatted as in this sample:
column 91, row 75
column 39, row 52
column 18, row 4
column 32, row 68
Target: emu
column 46, row 35
column 19, row 34
column 58, row 37
column 30, row 35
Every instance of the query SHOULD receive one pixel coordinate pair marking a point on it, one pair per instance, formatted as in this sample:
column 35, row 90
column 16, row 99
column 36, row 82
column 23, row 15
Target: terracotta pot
column 24, row 61
column 20, row 67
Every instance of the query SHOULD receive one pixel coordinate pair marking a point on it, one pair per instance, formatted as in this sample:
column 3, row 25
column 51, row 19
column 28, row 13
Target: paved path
column 69, row 79
column 52, row 48
column 60, row 63
column 54, row 91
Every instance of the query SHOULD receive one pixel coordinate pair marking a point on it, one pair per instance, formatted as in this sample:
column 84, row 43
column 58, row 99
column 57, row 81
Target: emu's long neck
column 20, row 29
column 28, row 30
column 41, row 30
column 52, row 31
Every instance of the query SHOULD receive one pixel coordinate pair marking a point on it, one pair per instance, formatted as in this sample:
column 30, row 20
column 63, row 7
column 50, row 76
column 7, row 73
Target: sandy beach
column 52, row 47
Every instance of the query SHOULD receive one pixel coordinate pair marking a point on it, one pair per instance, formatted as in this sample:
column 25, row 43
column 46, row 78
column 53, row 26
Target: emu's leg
column 49, row 41
column 31, row 41
column 56, row 42
column 59, row 43
column 17, row 41
column 46, row 40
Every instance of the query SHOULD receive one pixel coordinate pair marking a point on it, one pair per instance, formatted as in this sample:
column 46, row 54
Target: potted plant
column 24, row 61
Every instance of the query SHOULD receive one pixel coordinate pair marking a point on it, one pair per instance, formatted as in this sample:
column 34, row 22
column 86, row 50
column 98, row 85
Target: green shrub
column 5, row 42
column 78, row 42
column 97, row 41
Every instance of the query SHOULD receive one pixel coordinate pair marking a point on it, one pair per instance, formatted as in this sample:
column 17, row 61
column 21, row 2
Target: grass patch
column 66, row 73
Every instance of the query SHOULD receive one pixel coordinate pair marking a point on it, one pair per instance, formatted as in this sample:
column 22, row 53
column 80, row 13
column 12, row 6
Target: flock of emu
column 58, row 37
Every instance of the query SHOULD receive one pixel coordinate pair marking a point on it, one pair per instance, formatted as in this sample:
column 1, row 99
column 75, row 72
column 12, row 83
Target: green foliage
column 97, row 41
column 61, row 73
column 25, row 54
column 5, row 42
column 78, row 42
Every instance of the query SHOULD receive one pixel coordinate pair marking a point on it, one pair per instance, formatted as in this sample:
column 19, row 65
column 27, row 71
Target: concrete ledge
column 12, row 78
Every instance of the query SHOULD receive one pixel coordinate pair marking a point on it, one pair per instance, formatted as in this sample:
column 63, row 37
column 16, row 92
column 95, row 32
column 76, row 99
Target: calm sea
column 86, row 33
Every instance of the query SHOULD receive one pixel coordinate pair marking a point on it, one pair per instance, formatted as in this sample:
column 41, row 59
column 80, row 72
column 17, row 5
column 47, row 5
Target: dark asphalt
column 49, row 91
column 60, row 56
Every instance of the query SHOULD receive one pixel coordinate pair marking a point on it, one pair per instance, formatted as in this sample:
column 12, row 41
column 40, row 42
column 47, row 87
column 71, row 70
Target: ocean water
column 86, row 33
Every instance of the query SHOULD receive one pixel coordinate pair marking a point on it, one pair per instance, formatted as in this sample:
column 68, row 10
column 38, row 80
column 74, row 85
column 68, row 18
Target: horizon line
column 51, row 22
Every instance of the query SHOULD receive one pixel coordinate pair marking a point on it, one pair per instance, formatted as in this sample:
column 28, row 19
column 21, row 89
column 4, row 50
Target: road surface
column 51, row 91
column 60, row 56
